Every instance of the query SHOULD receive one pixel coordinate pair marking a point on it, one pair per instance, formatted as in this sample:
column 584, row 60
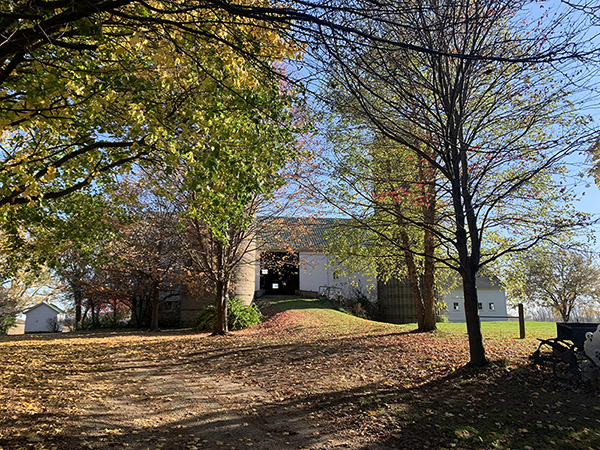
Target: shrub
column 104, row 322
column 442, row 319
column 239, row 316
column 54, row 325
column 242, row 316
column 358, row 304
column 364, row 307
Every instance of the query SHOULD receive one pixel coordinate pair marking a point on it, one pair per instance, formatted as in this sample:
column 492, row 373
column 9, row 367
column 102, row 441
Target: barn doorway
column 279, row 273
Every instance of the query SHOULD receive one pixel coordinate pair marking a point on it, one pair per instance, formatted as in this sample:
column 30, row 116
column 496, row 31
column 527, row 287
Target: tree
column 393, row 195
column 386, row 192
column 8, row 312
column 493, row 132
column 90, row 88
column 72, row 269
column 146, row 254
column 219, row 257
column 131, row 271
column 220, row 209
column 561, row 278
column 126, row 260
column 210, row 196
column 114, row 72
column 217, row 197
column 26, row 284
column 27, row 288
column 125, row 84
column 224, row 131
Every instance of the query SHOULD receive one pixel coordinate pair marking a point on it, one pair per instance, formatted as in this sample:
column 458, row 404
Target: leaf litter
column 311, row 378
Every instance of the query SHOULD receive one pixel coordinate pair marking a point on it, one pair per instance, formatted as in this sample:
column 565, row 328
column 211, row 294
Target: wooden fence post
column 521, row 321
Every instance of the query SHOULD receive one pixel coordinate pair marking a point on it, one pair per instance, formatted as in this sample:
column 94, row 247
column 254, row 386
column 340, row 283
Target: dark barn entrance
column 279, row 273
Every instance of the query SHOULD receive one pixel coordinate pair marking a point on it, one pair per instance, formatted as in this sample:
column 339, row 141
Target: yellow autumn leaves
column 149, row 79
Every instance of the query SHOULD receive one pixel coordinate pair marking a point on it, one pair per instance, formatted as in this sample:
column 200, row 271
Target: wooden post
column 521, row 322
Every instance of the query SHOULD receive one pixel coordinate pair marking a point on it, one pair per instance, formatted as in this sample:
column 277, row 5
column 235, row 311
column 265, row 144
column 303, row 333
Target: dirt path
column 142, row 405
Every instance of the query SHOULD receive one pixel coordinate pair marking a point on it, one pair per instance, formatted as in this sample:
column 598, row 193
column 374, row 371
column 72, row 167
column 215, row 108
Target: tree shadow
column 500, row 406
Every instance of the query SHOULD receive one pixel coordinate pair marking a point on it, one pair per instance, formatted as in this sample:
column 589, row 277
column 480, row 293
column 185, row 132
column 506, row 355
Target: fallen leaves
column 362, row 381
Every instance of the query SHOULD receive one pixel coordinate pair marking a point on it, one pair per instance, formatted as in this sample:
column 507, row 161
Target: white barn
column 44, row 318
column 300, row 247
column 291, row 259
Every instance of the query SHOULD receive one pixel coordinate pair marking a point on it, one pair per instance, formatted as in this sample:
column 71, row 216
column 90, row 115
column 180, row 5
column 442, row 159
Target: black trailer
column 566, row 347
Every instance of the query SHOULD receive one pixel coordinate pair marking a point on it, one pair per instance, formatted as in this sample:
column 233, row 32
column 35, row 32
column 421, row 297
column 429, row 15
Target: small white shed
column 44, row 318
column 492, row 301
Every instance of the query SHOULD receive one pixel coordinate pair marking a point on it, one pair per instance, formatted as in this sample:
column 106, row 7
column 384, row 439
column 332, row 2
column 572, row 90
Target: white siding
column 488, row 298
column 313, row 271
column 316, row 275
column 38, row 319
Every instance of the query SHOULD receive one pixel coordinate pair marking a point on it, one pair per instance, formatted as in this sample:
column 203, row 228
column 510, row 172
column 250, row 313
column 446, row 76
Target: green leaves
column 237, row 154
column 121, row 90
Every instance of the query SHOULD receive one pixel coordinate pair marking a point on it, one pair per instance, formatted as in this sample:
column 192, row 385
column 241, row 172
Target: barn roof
column 296, row 233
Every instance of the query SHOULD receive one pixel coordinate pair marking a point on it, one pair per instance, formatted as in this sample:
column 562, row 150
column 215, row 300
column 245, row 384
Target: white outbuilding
column 44, row 318
column 491, row 305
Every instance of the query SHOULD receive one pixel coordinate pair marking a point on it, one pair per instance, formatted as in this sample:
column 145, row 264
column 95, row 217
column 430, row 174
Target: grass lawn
column 308, row 377
column 508, row 329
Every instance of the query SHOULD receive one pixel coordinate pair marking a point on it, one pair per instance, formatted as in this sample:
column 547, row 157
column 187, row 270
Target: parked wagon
column 567, row 347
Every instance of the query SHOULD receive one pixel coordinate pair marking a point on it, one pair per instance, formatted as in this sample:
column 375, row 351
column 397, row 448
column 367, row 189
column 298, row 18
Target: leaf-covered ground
column 308, row 377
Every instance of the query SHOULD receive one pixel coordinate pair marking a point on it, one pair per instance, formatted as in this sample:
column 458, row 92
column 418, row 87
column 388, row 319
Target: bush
column 358, row 305
column 55, row 325
column 362, row 306
column 239, row 316
column 104, row 322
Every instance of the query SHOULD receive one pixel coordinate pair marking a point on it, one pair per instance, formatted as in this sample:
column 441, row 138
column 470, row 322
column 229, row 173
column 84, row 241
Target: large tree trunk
column 77, row 310
column 222, row 289
column 135, row 311
column 94, row 309
column 477, row 351
column 78, row 300
column 424, row 316
column 469, row 252
column 429, row 241
column 141, row 306
column 155, row 303
column 84, row 314
column 423, row 289
column 429, row 322
column 564, row 309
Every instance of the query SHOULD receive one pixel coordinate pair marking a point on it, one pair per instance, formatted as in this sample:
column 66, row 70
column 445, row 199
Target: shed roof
column 488, row 281
column 49, row 305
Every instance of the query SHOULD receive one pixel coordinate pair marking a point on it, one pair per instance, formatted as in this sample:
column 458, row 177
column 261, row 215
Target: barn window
column 491, row 306
column 479, row 305
column 456, row 306
column 275, row 286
